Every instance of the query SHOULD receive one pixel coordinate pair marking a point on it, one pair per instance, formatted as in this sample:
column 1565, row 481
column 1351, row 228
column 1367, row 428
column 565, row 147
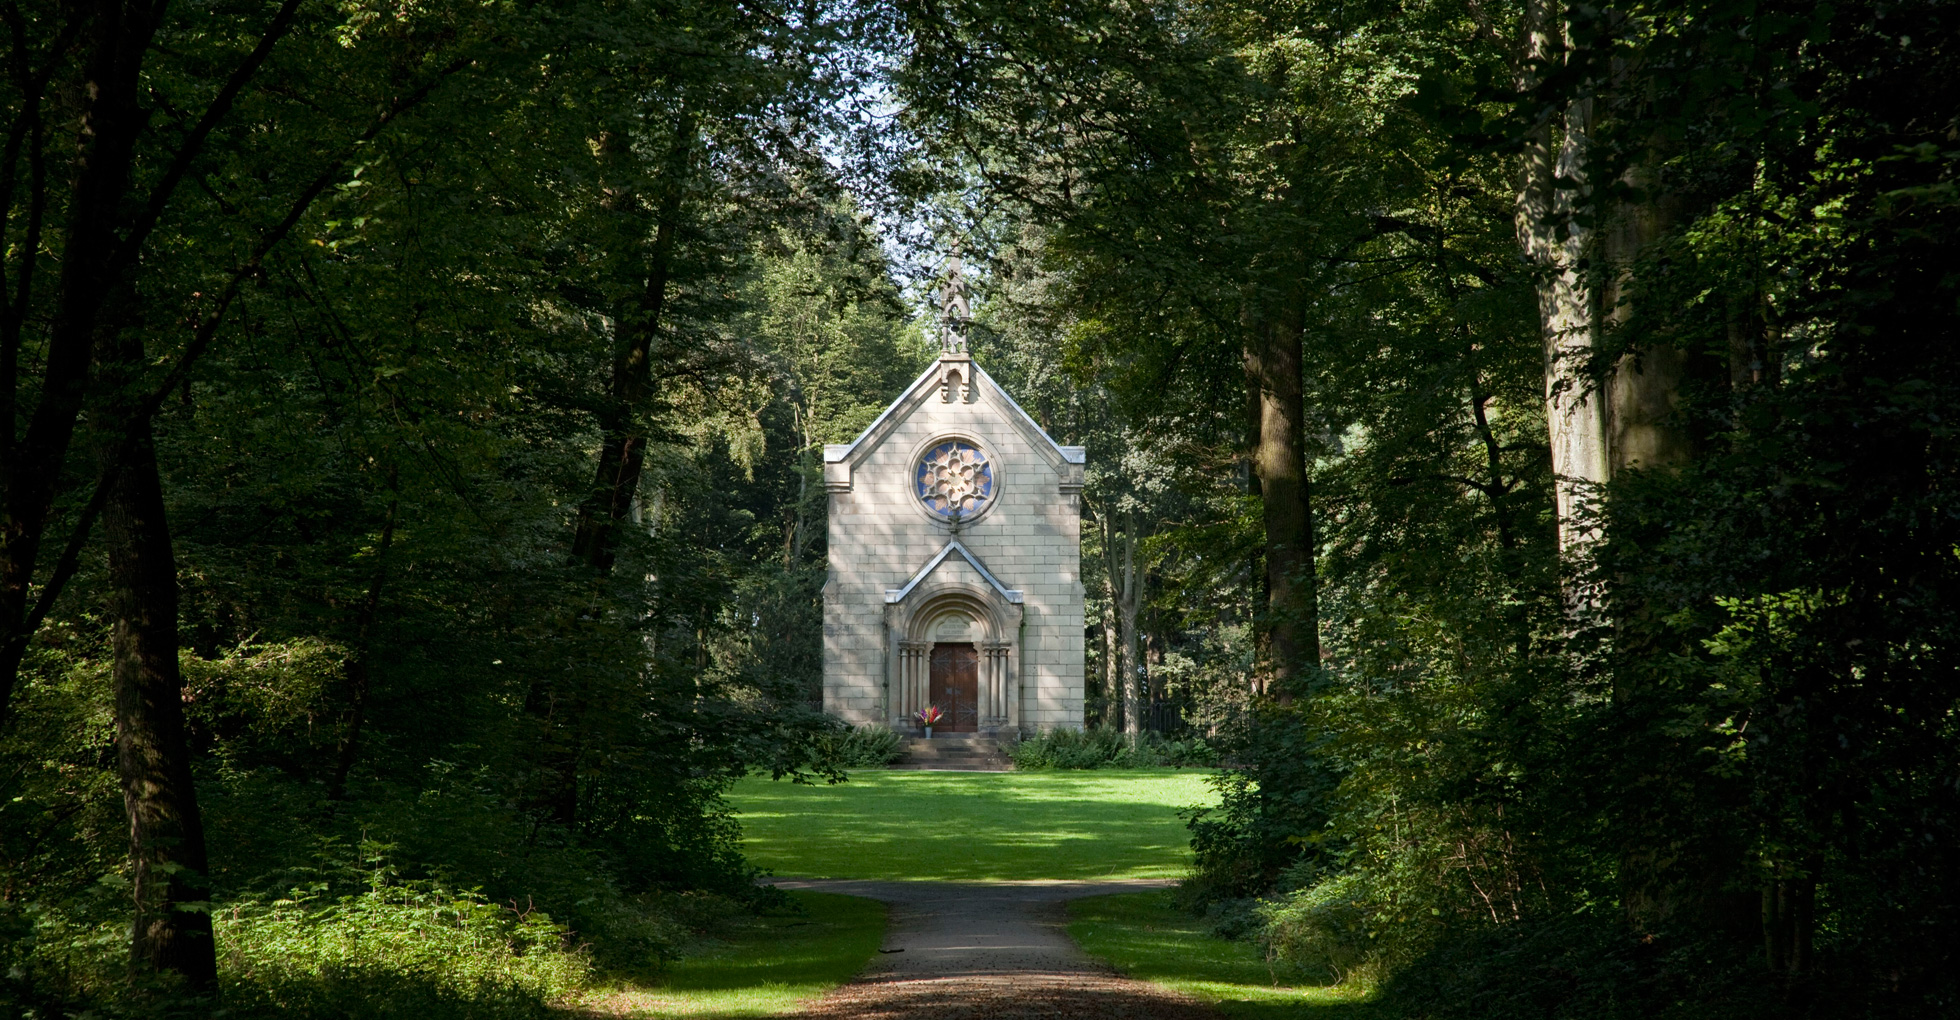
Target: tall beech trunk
column 1627, row 420
column 1129, row 594
column 1643, row 395
column 1273, row 368
column 636, row 325
column 169, row 871
column 1119, row 549
column 1552, row 218
column 1605, row 420
column 1112, row 692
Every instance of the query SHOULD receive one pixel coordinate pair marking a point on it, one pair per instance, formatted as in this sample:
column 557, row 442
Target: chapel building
column 955, row 525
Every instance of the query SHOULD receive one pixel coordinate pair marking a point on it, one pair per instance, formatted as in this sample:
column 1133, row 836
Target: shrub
column 860, row 747
column 1107, row 748
column 393, row 950
column 1271, row 817
column 1324, row 928
column 1067, row 749
column 444, row 952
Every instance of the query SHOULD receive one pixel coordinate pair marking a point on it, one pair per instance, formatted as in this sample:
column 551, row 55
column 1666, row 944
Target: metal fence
column 1165, row 717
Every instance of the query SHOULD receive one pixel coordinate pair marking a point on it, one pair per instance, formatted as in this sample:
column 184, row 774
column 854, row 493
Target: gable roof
column 921, row 388
column 954, row 546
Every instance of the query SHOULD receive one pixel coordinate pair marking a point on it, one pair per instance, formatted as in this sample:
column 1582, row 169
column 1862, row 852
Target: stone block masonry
column 954, row 562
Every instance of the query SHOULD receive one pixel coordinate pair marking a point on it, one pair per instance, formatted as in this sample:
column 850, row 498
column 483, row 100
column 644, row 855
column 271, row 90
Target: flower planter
column 928, row 733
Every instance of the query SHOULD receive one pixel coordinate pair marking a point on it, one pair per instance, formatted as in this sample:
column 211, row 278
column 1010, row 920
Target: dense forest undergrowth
column 1520, row 441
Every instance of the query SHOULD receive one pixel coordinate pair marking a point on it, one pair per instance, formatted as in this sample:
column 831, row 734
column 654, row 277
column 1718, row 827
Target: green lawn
column 1145, row 936
column 762, row 966
column 974, row 826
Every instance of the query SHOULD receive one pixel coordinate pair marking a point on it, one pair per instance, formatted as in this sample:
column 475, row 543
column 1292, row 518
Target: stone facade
column 955, row 522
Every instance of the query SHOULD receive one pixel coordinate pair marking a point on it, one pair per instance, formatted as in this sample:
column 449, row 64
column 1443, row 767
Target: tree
column 117, row 200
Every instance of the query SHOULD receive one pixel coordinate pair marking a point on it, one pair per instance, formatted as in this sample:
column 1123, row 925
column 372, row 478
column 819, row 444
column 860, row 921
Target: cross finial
column 954, row 313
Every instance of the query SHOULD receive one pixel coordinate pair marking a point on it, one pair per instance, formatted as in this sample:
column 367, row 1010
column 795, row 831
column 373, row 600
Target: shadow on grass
column 973, row 826
column 762, row 966
column 1146, row 936
column 1301, row 1010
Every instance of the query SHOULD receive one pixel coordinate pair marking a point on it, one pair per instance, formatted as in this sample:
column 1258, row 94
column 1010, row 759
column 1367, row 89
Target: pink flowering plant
column 929, row 715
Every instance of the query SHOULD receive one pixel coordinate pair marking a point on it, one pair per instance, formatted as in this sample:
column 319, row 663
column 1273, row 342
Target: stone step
column 964, row 752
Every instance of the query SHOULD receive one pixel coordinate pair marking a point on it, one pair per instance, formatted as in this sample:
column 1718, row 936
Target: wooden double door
column 955, row 686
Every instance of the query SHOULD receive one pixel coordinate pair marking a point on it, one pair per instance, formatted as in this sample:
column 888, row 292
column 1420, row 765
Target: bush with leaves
column 310, row 953
column 394, row 948
column 859, row 747
column 1103, row 747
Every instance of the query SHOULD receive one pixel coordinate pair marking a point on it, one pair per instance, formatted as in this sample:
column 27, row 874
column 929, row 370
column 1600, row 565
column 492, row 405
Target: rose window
column 955, row 480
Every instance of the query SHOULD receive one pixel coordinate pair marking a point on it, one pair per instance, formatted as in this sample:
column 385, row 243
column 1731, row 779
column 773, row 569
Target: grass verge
column 973, row 826
column 756, row 966
column 1147, row 937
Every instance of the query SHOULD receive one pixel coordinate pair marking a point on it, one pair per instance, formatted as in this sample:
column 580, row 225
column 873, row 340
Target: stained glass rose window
column 955, row 479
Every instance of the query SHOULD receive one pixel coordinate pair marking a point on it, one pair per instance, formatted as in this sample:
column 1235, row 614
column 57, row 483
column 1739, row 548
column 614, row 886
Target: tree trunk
column 114, row 40
column 1551, row 220
column 1552, row 217
column 1154, row 693
column 172, row 923
column 1112, row 693
column 359, row 673
column 1279, row 462
column 1643, row 426
column 1789, row 919
column 636, row 325
column 1128, row 598
column 1120, row 620
column 1629, row 420
column 613, row 499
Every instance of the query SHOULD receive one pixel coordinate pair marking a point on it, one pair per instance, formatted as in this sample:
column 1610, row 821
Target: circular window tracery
column 955, row 480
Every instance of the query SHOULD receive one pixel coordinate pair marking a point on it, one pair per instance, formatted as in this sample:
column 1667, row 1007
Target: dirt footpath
column 989, row 951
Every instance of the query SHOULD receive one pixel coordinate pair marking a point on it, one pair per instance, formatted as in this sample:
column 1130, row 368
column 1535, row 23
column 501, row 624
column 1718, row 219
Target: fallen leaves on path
column 1021, row 996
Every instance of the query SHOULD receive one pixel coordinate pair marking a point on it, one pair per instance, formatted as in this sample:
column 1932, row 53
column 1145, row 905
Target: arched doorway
column 954, row 645
column 955, row 685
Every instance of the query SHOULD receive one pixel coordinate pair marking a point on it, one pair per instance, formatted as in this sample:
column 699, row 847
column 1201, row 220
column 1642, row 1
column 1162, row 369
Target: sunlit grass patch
column 1146, row 936
column 762, row 966
column 974, row 826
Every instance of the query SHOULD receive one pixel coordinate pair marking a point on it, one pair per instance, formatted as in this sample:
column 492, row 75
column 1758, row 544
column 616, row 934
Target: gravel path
column 992, row 951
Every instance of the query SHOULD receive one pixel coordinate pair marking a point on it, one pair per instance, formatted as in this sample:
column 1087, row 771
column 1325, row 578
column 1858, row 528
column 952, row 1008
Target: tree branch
column 27, row 127
column 200, row 341
column 193, row 146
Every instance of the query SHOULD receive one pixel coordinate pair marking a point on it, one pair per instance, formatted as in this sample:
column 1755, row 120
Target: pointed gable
column 842, row 459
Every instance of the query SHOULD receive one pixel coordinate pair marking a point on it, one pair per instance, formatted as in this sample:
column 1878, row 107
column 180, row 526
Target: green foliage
column 1689, row 764
column 353, row 956
column 1149, row 937
column 316, row 953
column 1333, row 929
column 858, row 747
column 1103, row 747
column 1272, row 816
column 1584, row 967
column 396, row 292
column 373, row 476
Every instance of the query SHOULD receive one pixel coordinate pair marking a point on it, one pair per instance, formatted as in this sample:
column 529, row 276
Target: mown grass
column 757, row 966
column 1147, row 937
column 973, row 826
